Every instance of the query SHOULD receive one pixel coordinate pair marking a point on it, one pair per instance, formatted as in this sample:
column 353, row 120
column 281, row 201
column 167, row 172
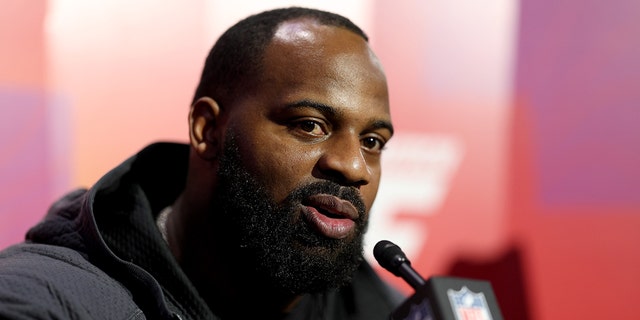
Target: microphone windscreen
column 390, row 256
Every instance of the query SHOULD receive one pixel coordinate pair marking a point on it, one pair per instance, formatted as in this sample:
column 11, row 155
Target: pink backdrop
column 517, row 147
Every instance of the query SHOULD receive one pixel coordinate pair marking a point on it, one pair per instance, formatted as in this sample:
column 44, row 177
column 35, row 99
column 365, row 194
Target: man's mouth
column 329, row 215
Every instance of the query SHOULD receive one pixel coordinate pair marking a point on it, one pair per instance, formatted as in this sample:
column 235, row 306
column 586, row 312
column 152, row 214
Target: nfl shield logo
column 468, row 305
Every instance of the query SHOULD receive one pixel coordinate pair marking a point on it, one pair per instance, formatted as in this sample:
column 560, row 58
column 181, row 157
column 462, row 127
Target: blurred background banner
column 517, row 147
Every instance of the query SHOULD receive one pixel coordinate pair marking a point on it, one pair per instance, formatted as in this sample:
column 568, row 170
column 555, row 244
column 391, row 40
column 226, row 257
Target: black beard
column 273, row 241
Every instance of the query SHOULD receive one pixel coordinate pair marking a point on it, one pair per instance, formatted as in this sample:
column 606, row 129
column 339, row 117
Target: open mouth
column 330, row 216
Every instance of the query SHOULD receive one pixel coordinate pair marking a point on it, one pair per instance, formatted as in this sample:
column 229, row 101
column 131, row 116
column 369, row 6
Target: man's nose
column 343, row 162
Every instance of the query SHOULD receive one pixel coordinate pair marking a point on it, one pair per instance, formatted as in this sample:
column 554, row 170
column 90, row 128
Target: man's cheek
column 284, row 178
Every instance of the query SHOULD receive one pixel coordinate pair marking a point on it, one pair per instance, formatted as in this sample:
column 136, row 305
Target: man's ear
column 204, row 128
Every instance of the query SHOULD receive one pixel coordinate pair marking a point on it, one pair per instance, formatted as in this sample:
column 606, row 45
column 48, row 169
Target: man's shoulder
column 40, row 281
column 33, row 258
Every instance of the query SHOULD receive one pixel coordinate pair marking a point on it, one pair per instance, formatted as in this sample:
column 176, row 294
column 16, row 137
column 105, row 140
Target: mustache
column 350, row 194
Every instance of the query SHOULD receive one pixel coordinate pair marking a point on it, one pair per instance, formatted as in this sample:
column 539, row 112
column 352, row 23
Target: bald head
column 235, row 63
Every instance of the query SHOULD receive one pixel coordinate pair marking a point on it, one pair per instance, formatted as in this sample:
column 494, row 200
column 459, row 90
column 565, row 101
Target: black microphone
column 439, row 298
column 391, row 257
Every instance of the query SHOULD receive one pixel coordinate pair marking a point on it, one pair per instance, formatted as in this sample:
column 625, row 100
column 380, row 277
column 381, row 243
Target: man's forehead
column 298, row 30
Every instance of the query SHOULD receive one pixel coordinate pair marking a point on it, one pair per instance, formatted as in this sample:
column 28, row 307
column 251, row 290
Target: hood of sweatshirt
column 113, row 226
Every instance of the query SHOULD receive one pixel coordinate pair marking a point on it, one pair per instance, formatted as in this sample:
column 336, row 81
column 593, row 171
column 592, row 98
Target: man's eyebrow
column 331, row 111
column 382, row 124
column 323, row 108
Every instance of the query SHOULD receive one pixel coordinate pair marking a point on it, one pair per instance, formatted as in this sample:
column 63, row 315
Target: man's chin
column 322, row 267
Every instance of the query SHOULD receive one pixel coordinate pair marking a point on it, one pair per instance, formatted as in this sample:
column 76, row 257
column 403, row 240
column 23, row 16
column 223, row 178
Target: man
column 262, row 216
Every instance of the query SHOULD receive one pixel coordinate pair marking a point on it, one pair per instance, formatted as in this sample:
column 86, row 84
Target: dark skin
column 320, row 112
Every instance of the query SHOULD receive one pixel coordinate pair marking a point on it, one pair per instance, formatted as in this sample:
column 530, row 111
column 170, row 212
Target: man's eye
column 373, row 144
column 312, row 127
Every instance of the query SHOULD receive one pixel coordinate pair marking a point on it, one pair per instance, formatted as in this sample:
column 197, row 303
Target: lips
column 330, row 216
